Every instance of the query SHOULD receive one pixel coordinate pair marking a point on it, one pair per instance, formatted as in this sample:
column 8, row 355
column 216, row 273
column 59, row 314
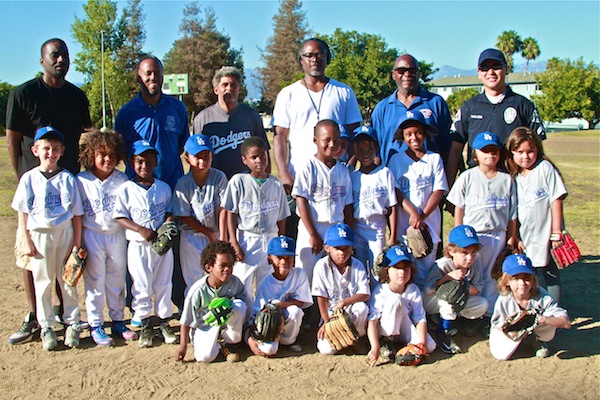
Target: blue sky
column 445, row 32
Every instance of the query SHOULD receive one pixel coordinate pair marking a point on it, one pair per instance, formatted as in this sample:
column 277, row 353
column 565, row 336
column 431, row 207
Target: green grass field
column 577, row 155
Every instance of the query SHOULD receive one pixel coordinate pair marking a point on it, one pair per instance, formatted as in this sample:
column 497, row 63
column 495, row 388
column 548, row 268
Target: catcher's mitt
column 219, row 311
column 567, row 253
column 521, row 324
column 268, row 323
column 455, row 292
column 411, row 354
column 419, row 241
column 73, row 268
column 496, row 271
column 165, row 236
column 340, row 331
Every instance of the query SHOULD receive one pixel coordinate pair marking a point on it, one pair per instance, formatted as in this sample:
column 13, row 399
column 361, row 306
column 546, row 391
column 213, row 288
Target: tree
column 509, row 42
column 280, row 56
column 530, row 50
column 426, row 71
column 5, row 89
column 119, row 58
column 363, row 62
column 456, row 99
column 199, row 53
column 569, row 89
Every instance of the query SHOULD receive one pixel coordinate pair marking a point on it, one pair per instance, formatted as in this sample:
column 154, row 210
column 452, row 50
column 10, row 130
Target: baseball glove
column 268, row 323
column 567, row 253
column 219, row 311
column 73, row 268
column 419, row 241
column 411, row 354
column 340, row 331
column 165, row 237
column 455, row 292
column 521, row 324
column 379, row 262
column 496, row 271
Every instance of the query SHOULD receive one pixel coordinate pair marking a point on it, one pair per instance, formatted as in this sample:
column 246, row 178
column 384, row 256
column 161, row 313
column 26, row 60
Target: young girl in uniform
column 396, row 314
column 519, row 290
column 374, row 196
column 196, row 201
column 421, row 184
column 540, row 195
column 486, row 199
column 104, row 238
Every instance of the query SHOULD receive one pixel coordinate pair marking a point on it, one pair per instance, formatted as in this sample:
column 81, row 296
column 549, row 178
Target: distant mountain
column 449, row 71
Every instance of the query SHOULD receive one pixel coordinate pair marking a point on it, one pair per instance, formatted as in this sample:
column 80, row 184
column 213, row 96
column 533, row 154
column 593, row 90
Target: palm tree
column 509, row 42
column 530, row 50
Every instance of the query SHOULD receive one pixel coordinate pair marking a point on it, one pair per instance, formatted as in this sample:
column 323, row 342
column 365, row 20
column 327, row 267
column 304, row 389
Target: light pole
column 103, row 97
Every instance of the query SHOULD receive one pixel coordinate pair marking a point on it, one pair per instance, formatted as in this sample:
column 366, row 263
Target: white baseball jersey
column 202, row 203
column 489, row 204
column 259, row 206
column 294, row 287
column 373, row 194
column 328, row 190
column 384, row 303
column 535, row 193
column 299, row 110
column 328, row 282
column 99, row 198
column 48, row 202
column 144, row 206
column 417, row 180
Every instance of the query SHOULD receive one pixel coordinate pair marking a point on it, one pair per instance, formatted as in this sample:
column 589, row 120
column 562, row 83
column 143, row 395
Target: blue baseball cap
column 339, row 235
column 463, row 236
column 411, row 116
column 517, row 264
column 48, row 132
column 282, row 246
column 197, row 143
column 365, row 130
column 396, row 254
column 344, row 134
column 491, row 54
column 141, row 146
column 486, row 139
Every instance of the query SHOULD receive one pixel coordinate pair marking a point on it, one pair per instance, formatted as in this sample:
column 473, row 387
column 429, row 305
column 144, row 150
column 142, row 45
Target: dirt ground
column 126, row 371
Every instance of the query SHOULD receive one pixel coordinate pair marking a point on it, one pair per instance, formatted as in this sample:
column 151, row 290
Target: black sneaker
column 29, row 328
column 446, row 343
column 167, row 333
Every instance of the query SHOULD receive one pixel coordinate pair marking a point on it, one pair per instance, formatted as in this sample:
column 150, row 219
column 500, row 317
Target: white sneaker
column 72, row 335
column 49, row 340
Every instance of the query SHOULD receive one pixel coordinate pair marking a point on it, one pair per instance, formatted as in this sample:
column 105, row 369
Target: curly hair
column 100, row 139
column 516, row 138
column 209, row 254
column 504, row 288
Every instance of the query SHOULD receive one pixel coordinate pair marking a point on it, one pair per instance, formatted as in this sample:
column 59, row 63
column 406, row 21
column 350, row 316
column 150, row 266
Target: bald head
column 406, row 74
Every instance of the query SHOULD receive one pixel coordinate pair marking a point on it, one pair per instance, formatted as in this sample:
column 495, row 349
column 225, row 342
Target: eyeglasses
column 486, row 68
column 403, row 70
column 318, row 56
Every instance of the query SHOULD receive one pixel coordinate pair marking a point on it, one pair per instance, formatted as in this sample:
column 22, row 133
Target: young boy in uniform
column 217, row 258
column 340, row 281
column 323, row 192
column 142, row 206
column 256, row 207
column 50, row 209
column 197, row 203
column 460, row 261
column 287, row 287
